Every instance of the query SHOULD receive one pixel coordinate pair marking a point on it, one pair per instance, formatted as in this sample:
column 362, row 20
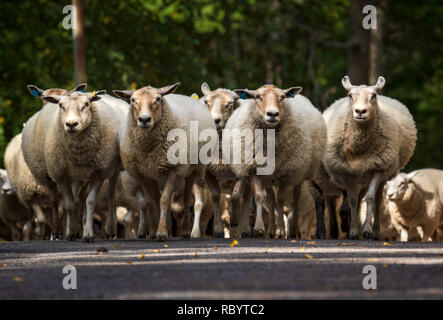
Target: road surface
column 213, row 269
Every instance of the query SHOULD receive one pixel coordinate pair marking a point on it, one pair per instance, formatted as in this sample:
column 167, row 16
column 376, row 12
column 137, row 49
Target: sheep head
column 40, row 93
column 220, row 103
column 363, row 99
column 146, row 103
column 5, row 183
column 397, row 187
column 269, row 101
column 75, row 107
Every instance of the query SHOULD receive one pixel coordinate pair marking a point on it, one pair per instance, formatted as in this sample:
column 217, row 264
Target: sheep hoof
column 151, row 237
column 334, row 234
column 142, row 235
column 219, row 234
column 161, row 236
column 112, row 237
column 186, row 236
column 258, row 233
column 367, row 235
column 270, row 236
column 234, row 225
column 88, row 239
column 71, row 237
column 55, row 236
column 320, row 235
column 354, row 237
column 280, row 234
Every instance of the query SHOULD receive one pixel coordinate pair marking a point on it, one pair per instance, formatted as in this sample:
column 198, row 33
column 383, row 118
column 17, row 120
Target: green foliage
column 230, row 43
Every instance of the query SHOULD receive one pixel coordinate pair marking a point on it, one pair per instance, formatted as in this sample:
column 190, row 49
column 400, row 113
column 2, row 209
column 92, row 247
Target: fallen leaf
column 137, row 246
column 385, row 265
column 3, row 240
column 117, row 246
column 165, row 245
column 294, row 241
column 129, row 262
column 141, row 256
column 387, row 244
column 233, row 243
column 214, row 247
column 308, row 256
column 373, row 260
column 156, row 250
column 4, row 265
column 441, row 255
column 312, row 242
column 302, row 249
column 347, row 244
column 195, row 255
column 17, row 279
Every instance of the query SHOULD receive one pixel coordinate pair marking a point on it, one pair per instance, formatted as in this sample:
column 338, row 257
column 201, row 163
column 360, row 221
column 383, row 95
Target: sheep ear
column 3, row 176
column 245, row 93
column 205, row 88
column 346, row 82
column 80, row 87
column 125, row 94
column 292, row 92
column 95, row 95
column 380, row 83
column 52, row 99
column 35, row 91
column 168, row 89
column 410, row 175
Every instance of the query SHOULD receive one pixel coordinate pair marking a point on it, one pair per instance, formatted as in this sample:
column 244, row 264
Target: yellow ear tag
column 194, row 96
column 93, row 94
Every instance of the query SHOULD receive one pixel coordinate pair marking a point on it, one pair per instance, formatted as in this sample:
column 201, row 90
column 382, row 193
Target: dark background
column 230, row 43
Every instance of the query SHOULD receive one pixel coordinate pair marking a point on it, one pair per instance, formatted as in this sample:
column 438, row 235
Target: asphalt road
column 212, row 269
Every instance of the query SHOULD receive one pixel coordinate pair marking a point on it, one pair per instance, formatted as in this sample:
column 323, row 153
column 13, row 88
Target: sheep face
column 220, row 103
column 6, row 187
column 397, row 187
column 75, row 109
column 362, row 100
column 269, row 102
column 146, row 103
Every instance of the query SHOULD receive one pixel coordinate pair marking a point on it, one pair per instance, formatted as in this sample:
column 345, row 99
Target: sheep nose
column 272, row 113
column 6, row 190
column 360, row 111
column 71, row 125
column 144, row 119
column 217, row 121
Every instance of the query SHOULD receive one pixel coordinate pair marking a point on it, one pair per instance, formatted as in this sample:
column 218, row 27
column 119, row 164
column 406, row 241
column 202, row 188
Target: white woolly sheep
column 72, row 142
column 147, row 146
column 370, row 138
column 300, row 138
column 416, row 200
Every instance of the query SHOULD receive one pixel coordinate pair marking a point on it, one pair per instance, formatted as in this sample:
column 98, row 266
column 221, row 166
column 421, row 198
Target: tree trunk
column 358, row 50
column 78, row 33
column 376, row 48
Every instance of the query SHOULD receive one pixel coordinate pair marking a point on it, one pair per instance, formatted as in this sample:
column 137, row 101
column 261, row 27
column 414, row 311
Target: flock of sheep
column 90, row 165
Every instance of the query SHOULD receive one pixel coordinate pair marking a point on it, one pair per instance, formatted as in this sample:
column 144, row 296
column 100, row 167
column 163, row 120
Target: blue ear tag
column 35, row 93
column 81, row 90
column 291, row 94
column 243, row 96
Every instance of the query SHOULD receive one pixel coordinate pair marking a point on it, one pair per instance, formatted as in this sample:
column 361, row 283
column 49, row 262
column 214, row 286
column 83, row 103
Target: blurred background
column 227, row 43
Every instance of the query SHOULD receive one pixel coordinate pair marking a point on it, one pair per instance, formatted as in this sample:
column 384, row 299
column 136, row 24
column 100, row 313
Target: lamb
column 300, row 140
column 31, row 194
column 148, row 150
column 221, row 103
column 12, row 213
column 370, row 138
column 70, row 143
column 416, row 200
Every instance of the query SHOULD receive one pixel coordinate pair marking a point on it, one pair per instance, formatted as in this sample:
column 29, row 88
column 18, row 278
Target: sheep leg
column 257, row 189
column 40, row 220
column 184, row 225
column 320, row 230
column 371, row 199
column 237, row 192
column 244, row 225
column 270, row 207
column 296, row 198
column 333, row 224
column 111, row 220
column 280, row 232
column 56, row 230
column 378, row 200
column 88, row 232
column 143, row 225
column 165, row 201
column 198, row 207
column 69, row 205
column 353, row 192
column 214, row 186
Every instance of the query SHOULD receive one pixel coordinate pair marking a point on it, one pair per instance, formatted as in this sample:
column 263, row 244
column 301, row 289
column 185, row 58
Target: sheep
column 370, row 138
column 29, row 192
column 300, row 140
column 416, row 200
column 12, row 213
column 72, row 142
column 146, row 141
column 220, row 103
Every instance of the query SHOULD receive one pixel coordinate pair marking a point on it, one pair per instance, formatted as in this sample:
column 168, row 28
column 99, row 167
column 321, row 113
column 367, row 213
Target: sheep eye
column 85, row 106
column 157, row 100
column 61, row 106
column 133, row 100
column 230, row 104
column 259, row 97
column 373, row 96
column 350, row 96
